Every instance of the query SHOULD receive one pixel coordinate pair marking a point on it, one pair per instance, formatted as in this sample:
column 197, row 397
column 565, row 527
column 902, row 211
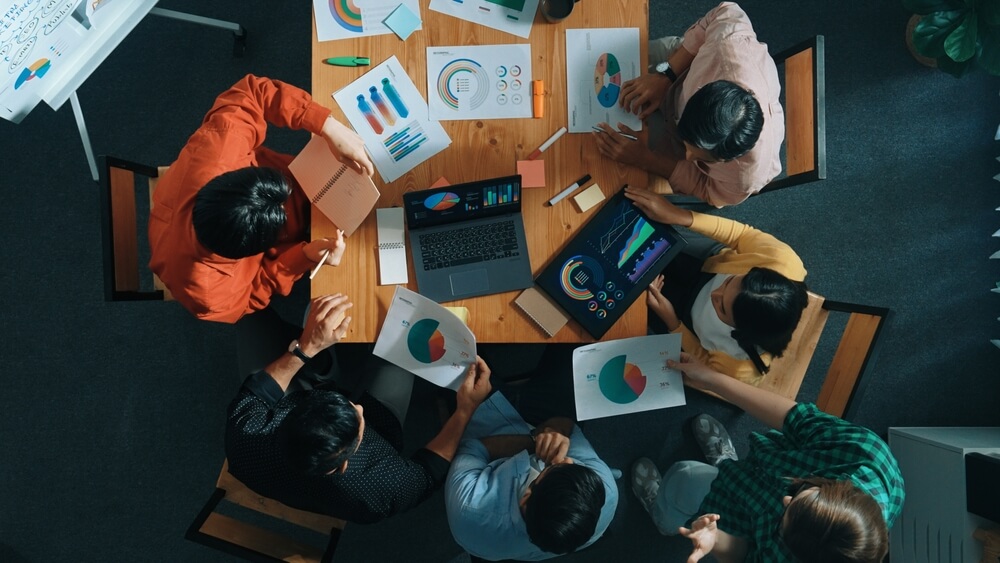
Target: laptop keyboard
column 480, row 243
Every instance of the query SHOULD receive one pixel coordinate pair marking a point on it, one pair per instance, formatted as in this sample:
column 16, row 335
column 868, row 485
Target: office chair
column 123, row 278
column 236, row 536
column 855, row 356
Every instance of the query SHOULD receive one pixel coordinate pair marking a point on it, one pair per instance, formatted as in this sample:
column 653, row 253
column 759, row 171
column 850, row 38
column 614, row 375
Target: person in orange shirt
column 229, row 225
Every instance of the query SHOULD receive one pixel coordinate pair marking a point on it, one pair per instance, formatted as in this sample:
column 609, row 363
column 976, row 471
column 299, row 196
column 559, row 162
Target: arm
column 707, row 538
column 752, row 246
column 326, row 325
column 507, row 445
column 770, row 408
column 475, row 387
column 742, row 370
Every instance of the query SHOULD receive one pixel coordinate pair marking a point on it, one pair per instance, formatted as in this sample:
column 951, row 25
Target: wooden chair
column 253, row 543
column 855, row 356
column 803, row 69
column 120, row 233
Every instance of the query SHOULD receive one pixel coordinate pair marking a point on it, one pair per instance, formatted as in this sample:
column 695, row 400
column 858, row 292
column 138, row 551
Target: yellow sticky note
column 460, row 312
column 532, row 173
column 589, row 197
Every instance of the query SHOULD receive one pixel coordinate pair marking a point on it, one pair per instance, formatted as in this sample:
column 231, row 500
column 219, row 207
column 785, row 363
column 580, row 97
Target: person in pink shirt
column 717, row 91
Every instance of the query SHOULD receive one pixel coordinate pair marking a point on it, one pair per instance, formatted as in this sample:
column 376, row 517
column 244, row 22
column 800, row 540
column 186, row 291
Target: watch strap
column 295, row 349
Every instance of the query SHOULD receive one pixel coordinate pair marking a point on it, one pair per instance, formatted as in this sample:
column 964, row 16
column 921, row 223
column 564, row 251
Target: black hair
column 722, row 118
column 320, row 433
column 766, row 311
column 241, row 213
column 562, row 512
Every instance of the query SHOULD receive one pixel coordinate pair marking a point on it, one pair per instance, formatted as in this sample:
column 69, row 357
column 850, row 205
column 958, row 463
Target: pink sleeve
column 723, row 21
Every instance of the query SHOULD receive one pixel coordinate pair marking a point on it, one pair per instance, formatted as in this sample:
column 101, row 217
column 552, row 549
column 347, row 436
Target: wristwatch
column 664, row 69
column 297, row 350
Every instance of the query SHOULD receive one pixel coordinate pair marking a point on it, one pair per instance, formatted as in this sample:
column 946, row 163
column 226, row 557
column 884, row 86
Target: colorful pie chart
column 620, row 381
column 607, row 80
column 441, row 201
column 425, row 341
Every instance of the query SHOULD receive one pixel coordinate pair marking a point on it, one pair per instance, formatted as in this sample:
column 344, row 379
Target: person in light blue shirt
column 514, row 492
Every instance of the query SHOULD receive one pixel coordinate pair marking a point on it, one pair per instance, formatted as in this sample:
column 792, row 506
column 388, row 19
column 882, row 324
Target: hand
column 551, row 446
column 475, row 387
column 657, row 208
column 696, row 374
column 661, row 305
column 327, row 323
column 347, row 146
column 335, row 244
column 642, row 95
column 620, row 148
column 703, row 533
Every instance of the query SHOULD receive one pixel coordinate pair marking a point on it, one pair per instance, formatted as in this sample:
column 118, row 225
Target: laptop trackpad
column 463, row 283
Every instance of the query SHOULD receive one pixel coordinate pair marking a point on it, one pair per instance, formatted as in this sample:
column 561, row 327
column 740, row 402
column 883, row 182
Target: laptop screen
column 462, row 202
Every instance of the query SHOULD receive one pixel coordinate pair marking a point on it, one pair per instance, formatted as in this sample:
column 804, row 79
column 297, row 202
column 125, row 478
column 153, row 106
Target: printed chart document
column 598, row 62
column 389, row 113
column 511, row 16
column 426, row 339
column 627, row 376
column 343, row 194
column 343, row 19
column 479, row 82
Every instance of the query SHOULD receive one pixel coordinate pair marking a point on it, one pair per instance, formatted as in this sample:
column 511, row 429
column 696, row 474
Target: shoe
column 713, row 439
column 645, row 481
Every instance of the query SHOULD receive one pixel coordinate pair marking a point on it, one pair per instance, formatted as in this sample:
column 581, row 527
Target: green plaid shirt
column 747, row 493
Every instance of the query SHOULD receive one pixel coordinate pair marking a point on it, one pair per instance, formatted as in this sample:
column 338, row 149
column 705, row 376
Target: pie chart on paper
column 620, row 381
column 425, row 342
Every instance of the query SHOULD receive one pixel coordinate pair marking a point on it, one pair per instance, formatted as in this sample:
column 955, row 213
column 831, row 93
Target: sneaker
column 713, row 439
column 645, row 481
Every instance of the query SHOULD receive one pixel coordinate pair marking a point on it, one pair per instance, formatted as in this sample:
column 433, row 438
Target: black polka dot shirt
column 377, row 484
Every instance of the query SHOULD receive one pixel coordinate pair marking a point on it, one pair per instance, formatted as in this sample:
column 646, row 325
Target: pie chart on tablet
column 620, row 381
column 425, row 341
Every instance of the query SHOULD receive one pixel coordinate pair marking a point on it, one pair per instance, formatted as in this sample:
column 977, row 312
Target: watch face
column 662, row 67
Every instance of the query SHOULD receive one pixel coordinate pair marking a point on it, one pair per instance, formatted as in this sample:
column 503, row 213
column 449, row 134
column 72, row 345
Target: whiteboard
column 48, row 48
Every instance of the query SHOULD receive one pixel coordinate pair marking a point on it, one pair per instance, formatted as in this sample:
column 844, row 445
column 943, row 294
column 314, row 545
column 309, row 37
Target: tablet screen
column 608, row 264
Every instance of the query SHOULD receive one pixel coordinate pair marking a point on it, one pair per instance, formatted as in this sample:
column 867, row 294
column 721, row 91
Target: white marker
column 555, row 137
column 572, row 188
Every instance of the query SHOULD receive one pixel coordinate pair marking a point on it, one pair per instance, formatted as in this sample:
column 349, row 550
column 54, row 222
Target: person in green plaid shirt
column 814, row 489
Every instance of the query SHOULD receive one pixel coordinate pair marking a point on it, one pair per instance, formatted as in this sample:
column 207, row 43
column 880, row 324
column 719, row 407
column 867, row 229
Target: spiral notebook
column 343, row 194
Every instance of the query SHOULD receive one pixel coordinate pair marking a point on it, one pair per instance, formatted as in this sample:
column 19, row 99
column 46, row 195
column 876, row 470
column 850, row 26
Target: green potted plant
column 957, row 34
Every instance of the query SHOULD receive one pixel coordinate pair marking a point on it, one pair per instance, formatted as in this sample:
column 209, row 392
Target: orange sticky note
column 532, row 173
column 441, row 182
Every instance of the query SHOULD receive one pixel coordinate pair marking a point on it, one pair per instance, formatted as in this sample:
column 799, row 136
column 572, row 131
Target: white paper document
column 627, row 376
column 479, row 82
column 598, row 62
column 344, row 19
column 426, row 339
column 511, row 16
column 391, row 246
column 389, row 113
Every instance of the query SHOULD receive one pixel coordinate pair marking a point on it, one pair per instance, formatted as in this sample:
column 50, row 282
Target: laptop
column 468, row 239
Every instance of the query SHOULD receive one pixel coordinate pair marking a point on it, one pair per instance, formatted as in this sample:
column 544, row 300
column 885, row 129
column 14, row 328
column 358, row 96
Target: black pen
column 572, row 188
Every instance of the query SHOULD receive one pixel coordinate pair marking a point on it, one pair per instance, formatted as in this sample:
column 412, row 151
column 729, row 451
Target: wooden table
column 482, row 149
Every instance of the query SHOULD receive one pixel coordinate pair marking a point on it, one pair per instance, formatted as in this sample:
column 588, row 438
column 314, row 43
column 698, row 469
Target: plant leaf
column 930, row 34
column 989, row 12
column 924, row 7
column 956, row 69
column 961, row 42
column 989, row 49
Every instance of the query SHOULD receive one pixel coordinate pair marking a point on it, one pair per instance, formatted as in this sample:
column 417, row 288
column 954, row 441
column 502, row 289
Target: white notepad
column 391, row 246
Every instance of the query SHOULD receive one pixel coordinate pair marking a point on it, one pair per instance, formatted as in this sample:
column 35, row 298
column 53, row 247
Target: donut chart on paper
column 607, row 80
column 463, row 82
column 347, row 14
column 425, row 342
column 578, row 275
column 441, row 201
column 620, row 381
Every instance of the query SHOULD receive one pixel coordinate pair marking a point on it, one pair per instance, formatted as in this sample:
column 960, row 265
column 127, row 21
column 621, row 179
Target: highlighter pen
column 555, row 137
column 538, row 98
column 626, row 135
column 572, row 188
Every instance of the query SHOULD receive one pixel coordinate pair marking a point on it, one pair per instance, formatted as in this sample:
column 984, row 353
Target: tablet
column 608, row 264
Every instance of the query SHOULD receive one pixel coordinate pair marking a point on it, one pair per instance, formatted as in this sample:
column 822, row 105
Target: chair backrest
column 855, row 356
column 805, row 113
column 238, row 537
column 120, row 181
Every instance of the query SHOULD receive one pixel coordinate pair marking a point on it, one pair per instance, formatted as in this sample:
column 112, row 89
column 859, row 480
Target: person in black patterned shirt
column 315, row 450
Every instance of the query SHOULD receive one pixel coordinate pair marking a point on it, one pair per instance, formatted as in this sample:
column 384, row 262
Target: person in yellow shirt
column 736, row 304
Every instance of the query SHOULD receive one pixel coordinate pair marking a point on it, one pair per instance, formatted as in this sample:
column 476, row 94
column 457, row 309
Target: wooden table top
column 482, row 149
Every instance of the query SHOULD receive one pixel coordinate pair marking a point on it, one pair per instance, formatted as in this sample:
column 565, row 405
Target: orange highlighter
column 538, row 98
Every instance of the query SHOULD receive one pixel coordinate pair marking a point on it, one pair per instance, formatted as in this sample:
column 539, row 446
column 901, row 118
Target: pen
column 626, row 135
column 555, row 137
column 322, row 260
column 348, row 61
column 572, row 188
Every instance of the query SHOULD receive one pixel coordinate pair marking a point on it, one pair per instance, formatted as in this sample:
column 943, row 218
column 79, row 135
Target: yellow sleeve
column 747, row 247
column 742, row 370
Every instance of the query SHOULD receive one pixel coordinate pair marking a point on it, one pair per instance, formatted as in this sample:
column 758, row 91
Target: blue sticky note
column 402, row 21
